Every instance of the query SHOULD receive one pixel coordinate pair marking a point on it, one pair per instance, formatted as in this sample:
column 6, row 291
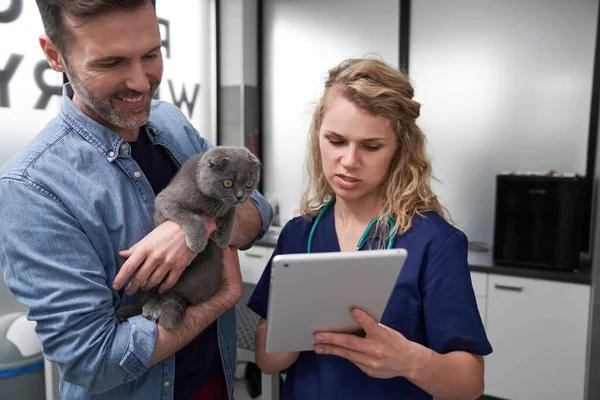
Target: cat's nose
column 239, row 197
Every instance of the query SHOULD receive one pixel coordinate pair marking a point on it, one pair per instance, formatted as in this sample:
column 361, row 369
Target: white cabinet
column 538, row 330
column 253, row 262
column 479, row 280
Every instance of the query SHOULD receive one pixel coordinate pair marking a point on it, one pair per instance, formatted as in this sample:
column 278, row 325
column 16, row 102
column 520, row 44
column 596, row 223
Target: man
column 78, row 201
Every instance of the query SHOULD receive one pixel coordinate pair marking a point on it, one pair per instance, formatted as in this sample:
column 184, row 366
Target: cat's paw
column 152, row 310
column 171, row 318
column 168, row 312
column 196, row 243
column 222, row 238
column 122, row 314
column 158, row 218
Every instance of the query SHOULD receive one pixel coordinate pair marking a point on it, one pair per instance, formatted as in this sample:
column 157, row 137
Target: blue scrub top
column 433, row 304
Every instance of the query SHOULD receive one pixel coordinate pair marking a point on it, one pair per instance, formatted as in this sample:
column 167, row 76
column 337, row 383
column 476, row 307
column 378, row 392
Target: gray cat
column 210, row 184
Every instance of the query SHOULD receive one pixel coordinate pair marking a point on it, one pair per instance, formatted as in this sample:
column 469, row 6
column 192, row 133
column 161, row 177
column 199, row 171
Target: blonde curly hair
column 381, row 90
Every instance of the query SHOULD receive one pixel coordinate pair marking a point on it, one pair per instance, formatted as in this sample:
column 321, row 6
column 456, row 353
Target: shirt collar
column 107, row 142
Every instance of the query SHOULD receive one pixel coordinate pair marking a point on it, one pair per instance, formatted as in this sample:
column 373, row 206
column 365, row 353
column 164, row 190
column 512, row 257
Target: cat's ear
column 218, row 162
column 254, row 160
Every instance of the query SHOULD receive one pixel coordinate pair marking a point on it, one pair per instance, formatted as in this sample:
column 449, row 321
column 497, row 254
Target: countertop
column 482, row 262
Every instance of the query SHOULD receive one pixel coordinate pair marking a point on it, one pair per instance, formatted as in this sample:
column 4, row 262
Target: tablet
column 316, row 292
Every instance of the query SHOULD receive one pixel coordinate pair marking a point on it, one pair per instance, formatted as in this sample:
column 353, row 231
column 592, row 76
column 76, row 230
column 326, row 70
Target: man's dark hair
column 53, row 12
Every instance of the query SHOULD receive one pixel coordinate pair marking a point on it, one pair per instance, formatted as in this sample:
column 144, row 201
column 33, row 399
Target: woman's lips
column 346, row 182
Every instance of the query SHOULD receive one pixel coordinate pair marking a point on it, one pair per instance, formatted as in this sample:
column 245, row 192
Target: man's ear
column 53, row 55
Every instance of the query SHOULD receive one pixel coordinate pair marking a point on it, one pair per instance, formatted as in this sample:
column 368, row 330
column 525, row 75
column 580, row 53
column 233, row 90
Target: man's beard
column 127, row 119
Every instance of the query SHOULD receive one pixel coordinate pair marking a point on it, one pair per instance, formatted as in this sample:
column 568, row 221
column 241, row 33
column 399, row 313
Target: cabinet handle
column 507, row 287
column 253, row 255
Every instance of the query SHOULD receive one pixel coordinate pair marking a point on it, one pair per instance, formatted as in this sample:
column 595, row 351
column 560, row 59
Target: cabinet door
column 253, row 262
column 538, row 330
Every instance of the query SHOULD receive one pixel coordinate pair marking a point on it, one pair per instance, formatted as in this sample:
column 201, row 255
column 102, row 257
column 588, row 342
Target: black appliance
column 539, row 220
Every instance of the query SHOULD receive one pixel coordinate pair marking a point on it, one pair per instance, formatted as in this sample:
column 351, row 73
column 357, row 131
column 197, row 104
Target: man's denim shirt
column 69, row 203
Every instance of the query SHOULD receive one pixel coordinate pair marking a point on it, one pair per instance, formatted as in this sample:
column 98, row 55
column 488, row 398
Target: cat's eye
column 228, row 183
column 249, row 184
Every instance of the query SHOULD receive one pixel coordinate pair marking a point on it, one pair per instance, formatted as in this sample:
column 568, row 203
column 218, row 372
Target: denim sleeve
column 52, row 267
column 202, row 144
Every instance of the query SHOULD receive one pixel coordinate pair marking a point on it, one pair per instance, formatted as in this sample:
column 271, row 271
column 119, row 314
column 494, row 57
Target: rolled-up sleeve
column 52, row 267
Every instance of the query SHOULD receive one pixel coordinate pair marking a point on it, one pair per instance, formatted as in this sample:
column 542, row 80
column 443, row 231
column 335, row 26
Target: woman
column 366, row 161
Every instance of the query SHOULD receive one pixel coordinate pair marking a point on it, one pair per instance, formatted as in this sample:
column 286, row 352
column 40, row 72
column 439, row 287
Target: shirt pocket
column 404, row 318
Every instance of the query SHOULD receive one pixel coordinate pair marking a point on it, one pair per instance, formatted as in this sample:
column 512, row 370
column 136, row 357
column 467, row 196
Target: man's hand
column 163, row 251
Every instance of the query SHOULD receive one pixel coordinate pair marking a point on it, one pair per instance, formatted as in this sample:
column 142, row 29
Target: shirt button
column 137, row 174
column 123, row 147
column 111, row 154
column 167, row 383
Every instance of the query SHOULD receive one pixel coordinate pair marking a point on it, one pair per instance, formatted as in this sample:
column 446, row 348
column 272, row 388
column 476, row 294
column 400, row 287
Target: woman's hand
column 382, row 353
column 163, row 251
column 270, row 363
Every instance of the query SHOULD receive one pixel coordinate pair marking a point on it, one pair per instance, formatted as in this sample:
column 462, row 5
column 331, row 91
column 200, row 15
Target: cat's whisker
column 219, row 208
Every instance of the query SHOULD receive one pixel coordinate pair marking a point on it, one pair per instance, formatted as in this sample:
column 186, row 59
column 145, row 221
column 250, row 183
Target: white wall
column 232, row 59
column 504, row 86
column 238, row 42
column 20, row 122
column 250, row 32
column 192, row 61
column 302, row 40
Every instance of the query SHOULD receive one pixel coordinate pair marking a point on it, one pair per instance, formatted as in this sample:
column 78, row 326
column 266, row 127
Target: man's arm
column 247, row 226
column 252, row 221
column 53, row 268
column 199, row 317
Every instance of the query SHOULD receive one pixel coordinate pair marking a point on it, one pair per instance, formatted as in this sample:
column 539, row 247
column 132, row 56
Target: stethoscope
column 362, row 239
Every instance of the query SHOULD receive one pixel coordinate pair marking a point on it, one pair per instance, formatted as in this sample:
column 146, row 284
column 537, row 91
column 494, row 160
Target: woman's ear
column 52, row 53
